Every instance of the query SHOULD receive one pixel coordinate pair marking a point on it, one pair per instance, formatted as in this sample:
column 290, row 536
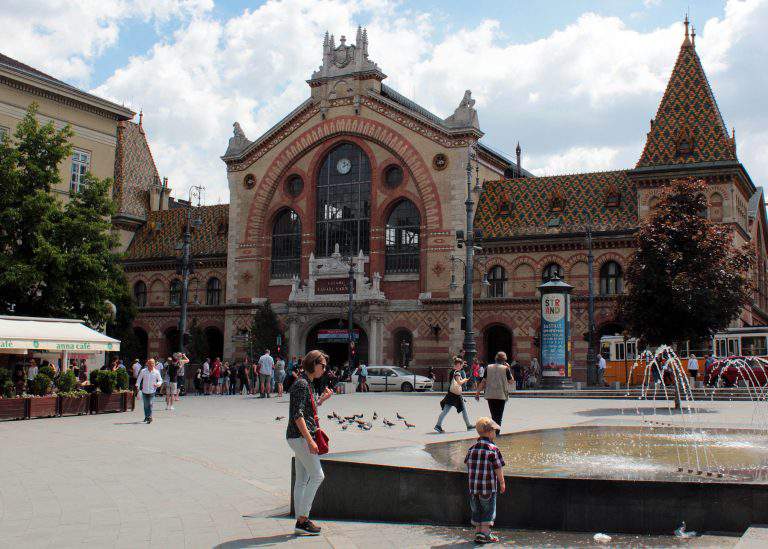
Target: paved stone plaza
column 220, row 474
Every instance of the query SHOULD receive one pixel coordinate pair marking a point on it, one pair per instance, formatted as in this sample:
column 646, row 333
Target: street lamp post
column 351, row 343
column 195, row 191
column 591, row 366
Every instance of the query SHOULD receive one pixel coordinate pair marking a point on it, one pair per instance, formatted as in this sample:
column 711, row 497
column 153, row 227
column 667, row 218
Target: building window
column 140, row 294
column 402, row 239
column 497, row 281
column 294, row 185
column 344, row 202
column 213, row 291
column 174, row 294
column 393, row 176
column 551, row 271
column 286, row 245
column 81, row 163
column 611, row 279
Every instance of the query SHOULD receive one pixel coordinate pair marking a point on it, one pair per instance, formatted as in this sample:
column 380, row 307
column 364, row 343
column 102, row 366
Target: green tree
column 58, row 259
column 198, row 344
column 686, row 280
column 265, row 329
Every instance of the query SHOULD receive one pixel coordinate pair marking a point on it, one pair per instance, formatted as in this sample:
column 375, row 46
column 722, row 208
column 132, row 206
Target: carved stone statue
column 465, row 115
column 238, row 141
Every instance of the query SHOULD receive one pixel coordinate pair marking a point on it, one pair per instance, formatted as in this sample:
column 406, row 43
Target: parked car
column 394, row 378
column 725, row 371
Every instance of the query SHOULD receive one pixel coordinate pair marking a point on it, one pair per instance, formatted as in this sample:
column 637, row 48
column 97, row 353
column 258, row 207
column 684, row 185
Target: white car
column 394, row 378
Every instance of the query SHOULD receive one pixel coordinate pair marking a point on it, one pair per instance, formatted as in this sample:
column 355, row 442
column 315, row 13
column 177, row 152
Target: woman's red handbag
column 321, row 438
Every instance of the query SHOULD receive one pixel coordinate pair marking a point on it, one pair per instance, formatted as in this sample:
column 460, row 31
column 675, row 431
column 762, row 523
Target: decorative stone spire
column 465, row 115
column 346, row 59
column 518, row 152
column 693, row 36
column 238, row 142
column 687, row 40
column 141, row 117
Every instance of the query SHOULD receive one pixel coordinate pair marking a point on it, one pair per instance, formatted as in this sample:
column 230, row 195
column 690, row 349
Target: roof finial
column 693, row 36
column 686, row 23
column 141, row 117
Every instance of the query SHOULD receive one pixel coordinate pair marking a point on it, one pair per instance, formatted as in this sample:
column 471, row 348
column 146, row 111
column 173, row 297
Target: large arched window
column 551, row 271
column 213, row 291
column 140, row 294
column 402, row 239
column 286, row 245
column 344, row 202
column 611, row 279
column 174, row 293
column 497, row 281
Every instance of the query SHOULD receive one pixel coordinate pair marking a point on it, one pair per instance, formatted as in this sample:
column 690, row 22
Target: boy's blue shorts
column 483, row 509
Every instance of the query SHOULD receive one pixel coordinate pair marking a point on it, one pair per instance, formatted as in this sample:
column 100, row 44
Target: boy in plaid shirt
column 484, row 462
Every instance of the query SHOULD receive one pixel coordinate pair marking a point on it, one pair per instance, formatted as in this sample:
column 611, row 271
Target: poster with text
column 553, row 335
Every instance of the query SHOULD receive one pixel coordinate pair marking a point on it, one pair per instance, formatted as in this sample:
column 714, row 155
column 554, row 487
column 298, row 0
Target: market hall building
column 358, row 172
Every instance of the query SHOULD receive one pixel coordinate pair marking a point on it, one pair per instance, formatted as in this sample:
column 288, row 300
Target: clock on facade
column 343, row 166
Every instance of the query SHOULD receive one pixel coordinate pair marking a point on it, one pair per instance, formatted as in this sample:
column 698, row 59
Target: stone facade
column 528, row 223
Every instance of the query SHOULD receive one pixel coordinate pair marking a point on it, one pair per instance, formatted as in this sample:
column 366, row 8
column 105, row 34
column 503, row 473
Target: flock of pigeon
column 346, row 421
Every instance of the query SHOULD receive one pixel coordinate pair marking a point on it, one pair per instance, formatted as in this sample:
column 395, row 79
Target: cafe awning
column 23, row 333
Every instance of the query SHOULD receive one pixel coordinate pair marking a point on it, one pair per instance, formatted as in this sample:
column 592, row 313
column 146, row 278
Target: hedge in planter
column 74, row 403
column 42, row 403
column 67, row 382
column 105, row 399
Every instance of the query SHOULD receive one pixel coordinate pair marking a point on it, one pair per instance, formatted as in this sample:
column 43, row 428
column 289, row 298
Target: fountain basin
column 594, row 478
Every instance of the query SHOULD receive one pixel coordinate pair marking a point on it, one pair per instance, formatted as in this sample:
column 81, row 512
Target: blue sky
column 574, row 81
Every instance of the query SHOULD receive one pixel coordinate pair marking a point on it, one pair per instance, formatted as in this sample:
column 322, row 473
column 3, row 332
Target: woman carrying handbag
column 453, row 398
column 306, row 439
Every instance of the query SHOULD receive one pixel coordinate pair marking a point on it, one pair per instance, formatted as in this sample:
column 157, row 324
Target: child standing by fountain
column 484, row 466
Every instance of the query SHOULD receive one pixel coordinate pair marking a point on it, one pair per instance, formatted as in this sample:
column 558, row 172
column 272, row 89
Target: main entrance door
column 497, row 338
column 331, row 338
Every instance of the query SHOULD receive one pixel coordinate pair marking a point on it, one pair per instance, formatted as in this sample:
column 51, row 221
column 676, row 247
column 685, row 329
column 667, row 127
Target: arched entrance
column 215, row 340
column 497, row 338
column 330, row 336
column 171, row 342
column 142, row 344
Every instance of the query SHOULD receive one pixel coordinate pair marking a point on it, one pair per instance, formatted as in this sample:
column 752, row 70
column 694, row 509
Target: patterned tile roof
column 135, row 171
column 688, row 127
column 163, row 230
column 561, row 203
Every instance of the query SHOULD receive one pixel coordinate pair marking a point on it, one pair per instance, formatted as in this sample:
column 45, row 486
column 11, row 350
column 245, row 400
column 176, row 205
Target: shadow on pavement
column 256, row 542
column 129, row 423
column 658, row 411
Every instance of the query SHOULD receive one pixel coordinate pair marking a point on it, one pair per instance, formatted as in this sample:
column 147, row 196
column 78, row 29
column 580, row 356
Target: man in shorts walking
column 172, row 367
column 266, row 367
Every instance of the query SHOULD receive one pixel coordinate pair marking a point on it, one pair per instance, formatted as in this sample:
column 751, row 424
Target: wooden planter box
column 101, row 402
column 14, row 408
column 45, row 406
column 74, row 406
column 130, row 403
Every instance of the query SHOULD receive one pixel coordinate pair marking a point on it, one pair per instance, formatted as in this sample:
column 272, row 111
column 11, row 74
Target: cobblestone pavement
column 215, row 473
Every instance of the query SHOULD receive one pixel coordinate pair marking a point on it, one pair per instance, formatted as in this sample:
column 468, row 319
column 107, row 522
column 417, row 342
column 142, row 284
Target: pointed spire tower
column 688, row 127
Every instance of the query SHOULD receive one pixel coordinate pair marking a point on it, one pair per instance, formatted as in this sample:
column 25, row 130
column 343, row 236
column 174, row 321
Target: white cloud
column 572, row 160
column 577, row 99
column 64, row 36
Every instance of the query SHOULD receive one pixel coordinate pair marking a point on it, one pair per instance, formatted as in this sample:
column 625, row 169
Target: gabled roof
column 158, row 237
column 135, row 171
column 688, row 111
column 519, row 207
column 23, row 72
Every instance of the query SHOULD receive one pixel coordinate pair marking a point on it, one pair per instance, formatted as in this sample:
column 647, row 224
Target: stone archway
column 497, row 338
column 330, row 337
column 215, row 340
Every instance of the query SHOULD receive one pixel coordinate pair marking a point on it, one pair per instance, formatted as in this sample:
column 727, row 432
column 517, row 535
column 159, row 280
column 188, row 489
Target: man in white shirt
column 207, row 376
column 135, row 369
column 32, row 371
column 148, row 382
column 266, row 367
column 601, row 370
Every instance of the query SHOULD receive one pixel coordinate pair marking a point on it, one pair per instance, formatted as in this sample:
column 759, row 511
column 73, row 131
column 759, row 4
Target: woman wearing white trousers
column 300, row 434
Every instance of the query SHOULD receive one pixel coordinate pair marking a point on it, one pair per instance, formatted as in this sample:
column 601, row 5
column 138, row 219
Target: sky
column 575, row 82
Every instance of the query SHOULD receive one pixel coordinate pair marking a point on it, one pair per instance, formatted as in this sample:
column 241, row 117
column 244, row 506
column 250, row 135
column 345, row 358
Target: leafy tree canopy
column 686, row 280
column 57, row 259
column 265, row 328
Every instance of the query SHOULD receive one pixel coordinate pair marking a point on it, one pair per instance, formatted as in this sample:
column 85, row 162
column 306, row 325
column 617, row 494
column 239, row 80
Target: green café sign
column 53, row 345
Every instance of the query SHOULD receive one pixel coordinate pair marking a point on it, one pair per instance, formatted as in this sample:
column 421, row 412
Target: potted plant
column 105, row 399
column 122, row 381
column 72, row 401
column 11, row 406
column 42, row 403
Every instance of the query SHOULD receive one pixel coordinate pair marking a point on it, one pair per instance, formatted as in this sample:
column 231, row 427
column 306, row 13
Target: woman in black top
column 300, row 433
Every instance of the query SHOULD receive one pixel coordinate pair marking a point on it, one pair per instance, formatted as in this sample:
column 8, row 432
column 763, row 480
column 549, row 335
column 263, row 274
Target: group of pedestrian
column 494, row 384
column 155, row 375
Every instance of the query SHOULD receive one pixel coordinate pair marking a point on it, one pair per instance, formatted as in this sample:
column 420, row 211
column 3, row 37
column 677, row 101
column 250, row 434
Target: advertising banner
column 553, row 335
